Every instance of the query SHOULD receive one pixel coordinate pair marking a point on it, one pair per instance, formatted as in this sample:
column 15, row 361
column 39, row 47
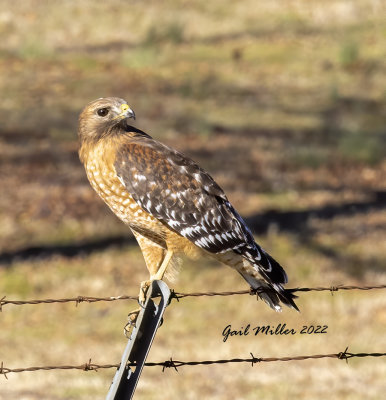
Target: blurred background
column 283, row 102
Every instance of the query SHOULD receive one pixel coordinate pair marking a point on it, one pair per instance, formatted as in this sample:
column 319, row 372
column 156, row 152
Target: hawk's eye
column 102, row 112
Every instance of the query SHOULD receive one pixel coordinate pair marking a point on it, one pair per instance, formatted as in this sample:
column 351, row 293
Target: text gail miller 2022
column 280, row 329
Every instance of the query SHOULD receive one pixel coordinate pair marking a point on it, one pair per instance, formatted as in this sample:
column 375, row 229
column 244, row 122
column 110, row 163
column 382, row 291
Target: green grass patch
column 170, row 31
column 33, row 49
column 309, row 156
column 349, row 53
column 15, row 282
column 362, row 147
column 140, row 57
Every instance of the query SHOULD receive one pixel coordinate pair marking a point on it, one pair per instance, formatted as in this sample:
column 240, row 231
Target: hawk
column 170, row 203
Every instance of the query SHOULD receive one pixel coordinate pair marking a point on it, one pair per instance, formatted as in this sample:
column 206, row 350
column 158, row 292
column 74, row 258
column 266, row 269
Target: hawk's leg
column 133, row 315
column 157, row 276
column 162, row 269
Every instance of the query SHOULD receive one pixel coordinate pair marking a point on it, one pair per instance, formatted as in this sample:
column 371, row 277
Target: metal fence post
column 139, row 343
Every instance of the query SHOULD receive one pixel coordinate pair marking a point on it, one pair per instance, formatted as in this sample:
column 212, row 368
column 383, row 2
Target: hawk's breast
column 105, row 181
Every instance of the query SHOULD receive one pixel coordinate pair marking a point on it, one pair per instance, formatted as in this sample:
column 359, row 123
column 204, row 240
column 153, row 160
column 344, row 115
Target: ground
column 284, row 103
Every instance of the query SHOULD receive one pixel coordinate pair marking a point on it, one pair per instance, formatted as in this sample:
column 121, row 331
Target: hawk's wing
column 175, row 190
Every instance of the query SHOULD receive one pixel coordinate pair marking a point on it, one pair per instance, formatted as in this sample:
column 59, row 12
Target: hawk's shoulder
column 162, row 163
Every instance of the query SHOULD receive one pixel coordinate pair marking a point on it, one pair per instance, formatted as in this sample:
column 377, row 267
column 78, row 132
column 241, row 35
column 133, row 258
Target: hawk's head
column 101, row 116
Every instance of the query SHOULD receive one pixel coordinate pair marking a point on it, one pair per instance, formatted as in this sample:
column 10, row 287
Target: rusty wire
column 177, row 295
column 77, row 300
column 331, row 289
column 89, row 366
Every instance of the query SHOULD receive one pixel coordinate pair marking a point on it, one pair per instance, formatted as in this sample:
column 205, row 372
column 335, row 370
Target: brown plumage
column 171, row 204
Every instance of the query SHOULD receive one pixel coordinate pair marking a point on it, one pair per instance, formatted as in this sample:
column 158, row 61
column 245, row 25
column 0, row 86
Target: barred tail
column 267, row 277
column 272, row 294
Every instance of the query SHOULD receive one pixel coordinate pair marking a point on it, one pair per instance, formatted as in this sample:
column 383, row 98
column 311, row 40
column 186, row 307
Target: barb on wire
column 88, row 366
column 177, row 295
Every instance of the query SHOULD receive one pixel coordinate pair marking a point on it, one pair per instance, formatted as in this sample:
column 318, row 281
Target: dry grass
column 283, row 102
column 43, row 335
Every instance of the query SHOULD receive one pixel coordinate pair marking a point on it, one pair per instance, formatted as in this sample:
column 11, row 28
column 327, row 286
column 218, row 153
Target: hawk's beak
column 126, row 112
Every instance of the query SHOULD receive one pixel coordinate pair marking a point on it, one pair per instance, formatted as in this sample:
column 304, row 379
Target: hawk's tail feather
column 287, row 297
column 266, row 276
column 272, row 294
column 272, row 268
column 263, row 263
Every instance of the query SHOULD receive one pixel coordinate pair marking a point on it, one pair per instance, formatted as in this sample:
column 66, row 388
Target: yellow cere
column 124, row 107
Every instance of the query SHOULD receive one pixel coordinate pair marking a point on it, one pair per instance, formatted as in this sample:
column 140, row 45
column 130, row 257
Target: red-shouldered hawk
column 171, row 204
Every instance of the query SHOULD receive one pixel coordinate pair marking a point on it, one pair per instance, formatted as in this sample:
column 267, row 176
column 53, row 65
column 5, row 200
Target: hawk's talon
column 140, row 304
column 132, row 316
column 128, row 330
column 142, row 292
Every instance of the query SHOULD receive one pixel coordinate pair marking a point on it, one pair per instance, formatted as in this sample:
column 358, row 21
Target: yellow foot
column 132, row 319
column 142, row 292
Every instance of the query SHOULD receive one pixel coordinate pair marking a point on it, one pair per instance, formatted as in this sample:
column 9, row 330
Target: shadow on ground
column 295, row 222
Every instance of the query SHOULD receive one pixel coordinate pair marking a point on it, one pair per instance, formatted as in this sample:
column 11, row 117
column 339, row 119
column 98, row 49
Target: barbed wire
column 175, row 364
column 77, row 300
column 331, row 289
column 177, row 295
